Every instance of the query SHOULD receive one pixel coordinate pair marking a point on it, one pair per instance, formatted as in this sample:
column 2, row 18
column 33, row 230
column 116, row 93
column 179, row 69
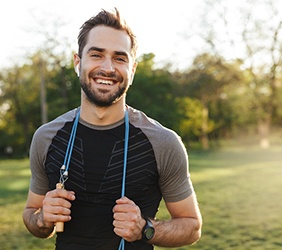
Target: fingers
column 128, row 222
column 62, row 193
column 124, row 200
column 56, row 206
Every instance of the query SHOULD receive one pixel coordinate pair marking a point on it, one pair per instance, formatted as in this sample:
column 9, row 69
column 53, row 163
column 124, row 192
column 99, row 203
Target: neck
column 102, row 115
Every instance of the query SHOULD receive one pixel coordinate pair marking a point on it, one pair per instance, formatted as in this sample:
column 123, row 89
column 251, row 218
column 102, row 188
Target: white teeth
column 106, row 82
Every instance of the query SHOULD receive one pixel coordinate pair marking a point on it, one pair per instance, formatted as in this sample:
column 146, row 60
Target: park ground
column 238, row 188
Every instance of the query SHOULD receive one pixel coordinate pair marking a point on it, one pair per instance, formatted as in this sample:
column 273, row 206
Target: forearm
column 176, row 232
column 33, row 220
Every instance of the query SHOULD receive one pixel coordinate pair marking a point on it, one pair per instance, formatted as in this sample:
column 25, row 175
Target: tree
column 192, row 120
column 250, row 31
column 19, row 96
column 153, row 92
column 208, row 80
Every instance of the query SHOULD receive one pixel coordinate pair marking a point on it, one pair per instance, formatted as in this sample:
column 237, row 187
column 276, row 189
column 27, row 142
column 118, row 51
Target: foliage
column 153, row 92
column 21, row 106
column 256, row 42
column 190, row 123
column 21, row 89
column 63, row 91
column 209, row 80
column 208, row 76
column 214, row 98
column 178, row 100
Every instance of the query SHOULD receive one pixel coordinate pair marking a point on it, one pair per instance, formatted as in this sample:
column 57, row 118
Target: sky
column 159, row 25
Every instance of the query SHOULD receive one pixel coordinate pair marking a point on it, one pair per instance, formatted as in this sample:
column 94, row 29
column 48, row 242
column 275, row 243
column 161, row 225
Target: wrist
column 42, row 225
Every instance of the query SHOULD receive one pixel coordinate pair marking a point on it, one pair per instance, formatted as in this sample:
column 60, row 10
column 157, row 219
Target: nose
column 107, row 65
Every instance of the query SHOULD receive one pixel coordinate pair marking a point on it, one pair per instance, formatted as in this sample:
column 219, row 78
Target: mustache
column 111, row 75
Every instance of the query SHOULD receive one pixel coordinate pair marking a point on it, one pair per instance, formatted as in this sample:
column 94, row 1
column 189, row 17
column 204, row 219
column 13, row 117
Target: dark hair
column 109, row 19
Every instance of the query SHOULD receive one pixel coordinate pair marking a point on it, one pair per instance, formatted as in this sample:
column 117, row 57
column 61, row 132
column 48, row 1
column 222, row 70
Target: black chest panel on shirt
column 95, row 175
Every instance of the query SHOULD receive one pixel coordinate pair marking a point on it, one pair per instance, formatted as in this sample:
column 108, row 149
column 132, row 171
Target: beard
column 103, row 97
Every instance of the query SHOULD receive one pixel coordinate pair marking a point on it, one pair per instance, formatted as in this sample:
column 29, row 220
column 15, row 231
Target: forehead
column 109, row 39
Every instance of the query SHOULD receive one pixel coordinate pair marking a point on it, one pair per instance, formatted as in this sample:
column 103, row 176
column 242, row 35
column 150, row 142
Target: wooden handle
column 59, row 225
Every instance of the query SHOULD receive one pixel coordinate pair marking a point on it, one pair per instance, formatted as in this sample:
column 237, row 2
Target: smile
column 105, row 82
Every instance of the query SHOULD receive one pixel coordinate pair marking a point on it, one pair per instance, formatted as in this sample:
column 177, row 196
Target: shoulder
column 48, row 129
column 46, row 132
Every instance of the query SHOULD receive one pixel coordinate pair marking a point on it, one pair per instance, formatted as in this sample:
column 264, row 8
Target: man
column 114, row 162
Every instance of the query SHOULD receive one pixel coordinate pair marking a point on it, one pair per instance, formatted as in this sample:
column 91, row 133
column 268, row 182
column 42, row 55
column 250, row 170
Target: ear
column 133, row 72
column 77, row 70
column 76, row 62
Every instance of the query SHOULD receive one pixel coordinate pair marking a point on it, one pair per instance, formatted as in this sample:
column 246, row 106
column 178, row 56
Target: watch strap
column 148, row 230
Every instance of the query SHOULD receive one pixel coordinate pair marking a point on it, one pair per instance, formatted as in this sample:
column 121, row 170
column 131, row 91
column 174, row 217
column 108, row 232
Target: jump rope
column 65, row 167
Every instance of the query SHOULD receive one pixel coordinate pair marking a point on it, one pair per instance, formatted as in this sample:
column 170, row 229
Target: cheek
column 88, row 72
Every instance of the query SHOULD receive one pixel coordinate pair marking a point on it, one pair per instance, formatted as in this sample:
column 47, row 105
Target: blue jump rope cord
column 71, row 142
column 126, row 137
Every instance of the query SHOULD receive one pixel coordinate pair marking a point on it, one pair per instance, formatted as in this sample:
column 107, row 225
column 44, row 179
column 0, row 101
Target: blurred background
column 209, row 69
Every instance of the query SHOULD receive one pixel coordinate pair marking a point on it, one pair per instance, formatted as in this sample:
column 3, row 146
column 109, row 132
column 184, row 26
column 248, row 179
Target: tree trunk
column 43, row 102
column 264, row 131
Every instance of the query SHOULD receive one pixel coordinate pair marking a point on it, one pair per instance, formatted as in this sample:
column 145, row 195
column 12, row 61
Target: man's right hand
column 43, row 211
column 56, row 207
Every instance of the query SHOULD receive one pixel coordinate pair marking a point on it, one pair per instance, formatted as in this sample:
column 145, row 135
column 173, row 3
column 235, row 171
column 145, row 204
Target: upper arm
column 187, row 208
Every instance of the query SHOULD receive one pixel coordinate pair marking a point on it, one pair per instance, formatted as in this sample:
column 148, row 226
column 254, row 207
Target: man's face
column 106, row 66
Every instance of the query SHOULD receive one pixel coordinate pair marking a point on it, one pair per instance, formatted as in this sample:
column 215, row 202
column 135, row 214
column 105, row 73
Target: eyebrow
column 119, row 53
column 93, row 48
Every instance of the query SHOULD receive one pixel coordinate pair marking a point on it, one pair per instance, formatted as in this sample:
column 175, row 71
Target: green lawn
column 239, row 191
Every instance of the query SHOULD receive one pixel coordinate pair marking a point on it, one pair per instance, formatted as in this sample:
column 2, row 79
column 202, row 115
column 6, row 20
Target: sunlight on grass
column 211, row 174
column 239, row 192
column 17, row 185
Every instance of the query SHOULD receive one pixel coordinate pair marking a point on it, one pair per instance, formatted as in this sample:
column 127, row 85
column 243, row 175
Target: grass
column 239, row 192
column 238, row 189
column 14, row 182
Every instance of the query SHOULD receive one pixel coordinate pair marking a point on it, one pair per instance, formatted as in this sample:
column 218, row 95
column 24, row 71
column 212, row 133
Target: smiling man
column 114, row 163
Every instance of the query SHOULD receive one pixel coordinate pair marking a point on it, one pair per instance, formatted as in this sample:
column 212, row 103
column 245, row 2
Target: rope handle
column 59, row 225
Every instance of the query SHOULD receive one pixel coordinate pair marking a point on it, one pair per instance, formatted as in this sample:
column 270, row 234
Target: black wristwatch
column 148, row 231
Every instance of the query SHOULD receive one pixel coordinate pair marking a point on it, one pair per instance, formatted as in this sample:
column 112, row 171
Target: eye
column 121, row 59
column 95, row 55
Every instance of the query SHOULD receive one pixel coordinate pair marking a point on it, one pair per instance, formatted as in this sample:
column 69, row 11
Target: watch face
column 150, row 233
